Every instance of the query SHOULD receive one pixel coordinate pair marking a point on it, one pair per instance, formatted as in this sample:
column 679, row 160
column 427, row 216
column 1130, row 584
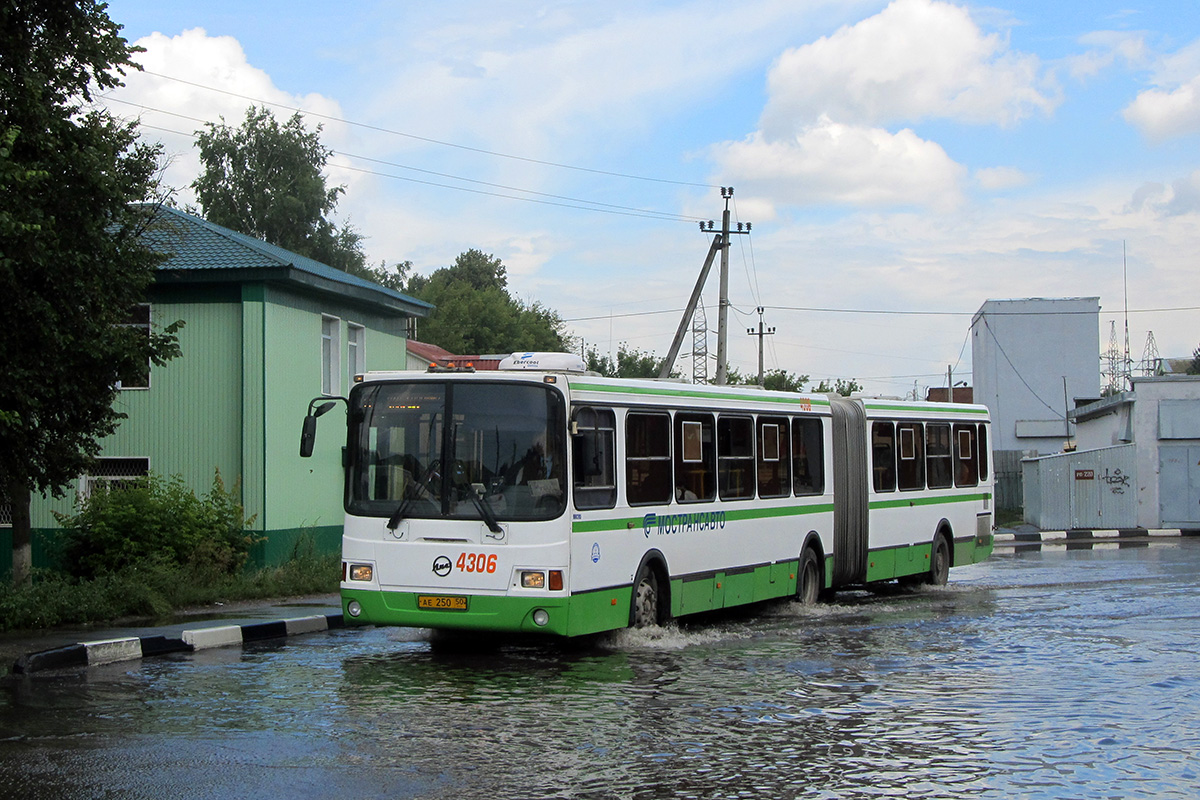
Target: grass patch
column 155, row 590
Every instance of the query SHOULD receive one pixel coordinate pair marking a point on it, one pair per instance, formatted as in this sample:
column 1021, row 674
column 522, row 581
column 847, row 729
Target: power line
column 426, row 139
column 905, row 313
column 566, row 202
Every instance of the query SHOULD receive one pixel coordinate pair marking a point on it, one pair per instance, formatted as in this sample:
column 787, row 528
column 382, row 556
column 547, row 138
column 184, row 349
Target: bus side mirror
column 308, row 434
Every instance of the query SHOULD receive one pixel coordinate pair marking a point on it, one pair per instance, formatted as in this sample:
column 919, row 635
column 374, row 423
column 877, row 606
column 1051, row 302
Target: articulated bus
column 541, row 498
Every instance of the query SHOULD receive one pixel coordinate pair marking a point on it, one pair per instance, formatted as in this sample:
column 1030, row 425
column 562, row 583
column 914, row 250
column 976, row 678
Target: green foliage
column 840, row 386
column 1194, row 367
column 777, row 380
column 475, row 313
column 264, row 179
column 156, row 521
column 630, row 363
column 72, row 264
column 156, row 590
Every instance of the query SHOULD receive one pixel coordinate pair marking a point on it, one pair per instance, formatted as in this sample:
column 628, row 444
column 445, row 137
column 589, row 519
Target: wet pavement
column 20, row 644
column 1047, row 673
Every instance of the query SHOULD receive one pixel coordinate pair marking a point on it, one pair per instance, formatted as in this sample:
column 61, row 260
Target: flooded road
column 1045, row 674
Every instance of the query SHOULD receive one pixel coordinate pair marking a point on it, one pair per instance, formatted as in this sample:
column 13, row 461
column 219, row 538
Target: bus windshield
column 445, row 450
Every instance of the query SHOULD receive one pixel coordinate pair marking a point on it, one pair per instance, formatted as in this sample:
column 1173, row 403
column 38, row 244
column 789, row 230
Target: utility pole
column 720, row 242
column 760, row 334
column 723, row 302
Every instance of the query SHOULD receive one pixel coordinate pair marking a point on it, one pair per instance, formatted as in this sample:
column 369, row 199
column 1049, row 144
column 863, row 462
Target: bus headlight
column 533, row 580
column 361, row 572
column 540, row 617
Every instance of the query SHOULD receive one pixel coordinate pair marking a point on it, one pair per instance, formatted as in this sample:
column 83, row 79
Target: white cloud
column 1104, row 48
column 1162, row 114
column 1000, row 178
column 831, row 162
column 1181, row 197
column 171, row 110
column 1172, row 108
column 916, row 59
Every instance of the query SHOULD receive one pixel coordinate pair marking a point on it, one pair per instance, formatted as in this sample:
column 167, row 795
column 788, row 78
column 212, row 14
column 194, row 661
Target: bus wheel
column 939, row 562
column 645, row 608
column 808, row 582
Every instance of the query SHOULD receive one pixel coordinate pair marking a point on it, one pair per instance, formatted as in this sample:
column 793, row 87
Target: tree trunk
column 22, row 553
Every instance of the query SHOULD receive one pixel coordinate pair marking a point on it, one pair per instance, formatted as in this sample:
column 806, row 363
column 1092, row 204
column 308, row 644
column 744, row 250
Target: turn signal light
column 556, row 581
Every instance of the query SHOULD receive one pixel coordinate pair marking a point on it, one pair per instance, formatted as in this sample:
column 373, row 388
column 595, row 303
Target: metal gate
column 1179, row 486
column 1087, row 489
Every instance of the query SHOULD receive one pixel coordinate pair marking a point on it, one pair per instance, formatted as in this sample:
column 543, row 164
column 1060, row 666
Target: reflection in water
column 1037, row 675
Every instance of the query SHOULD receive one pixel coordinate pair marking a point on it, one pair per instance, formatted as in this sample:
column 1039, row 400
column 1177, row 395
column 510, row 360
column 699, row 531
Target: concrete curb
column 108, row 651
column 1073, row 536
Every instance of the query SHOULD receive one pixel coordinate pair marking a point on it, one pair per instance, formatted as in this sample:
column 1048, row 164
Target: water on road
column 1044, row 674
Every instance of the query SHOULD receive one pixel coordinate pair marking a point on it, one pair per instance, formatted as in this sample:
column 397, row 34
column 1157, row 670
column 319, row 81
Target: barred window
column 114, row 472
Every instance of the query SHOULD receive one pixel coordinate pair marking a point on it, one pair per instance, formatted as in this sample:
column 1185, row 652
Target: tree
column 840, row 386
column 475, row 313
column 264, row 180
column 779, row 380
column 630, row 363
column 72, row 265
column 1194, row 367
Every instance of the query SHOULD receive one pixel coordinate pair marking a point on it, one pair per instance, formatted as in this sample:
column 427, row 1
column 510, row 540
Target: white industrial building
column 1031, row 359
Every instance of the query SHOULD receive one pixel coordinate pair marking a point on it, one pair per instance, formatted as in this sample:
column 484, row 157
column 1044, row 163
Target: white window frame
column 89, row 481
column 146, row 326
column 356, row 354
column 331, row 345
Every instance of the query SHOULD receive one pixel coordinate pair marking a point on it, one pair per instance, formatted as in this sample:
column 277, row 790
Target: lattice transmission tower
column 1114, row 371
column 1150, row 363
column 699, row 345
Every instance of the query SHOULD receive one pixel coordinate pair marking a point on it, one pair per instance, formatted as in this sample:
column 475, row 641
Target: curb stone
column 1081, row 535
column 109, row 651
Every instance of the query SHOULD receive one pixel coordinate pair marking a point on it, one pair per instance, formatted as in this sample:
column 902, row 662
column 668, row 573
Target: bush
column 154, row 590
column 159, row 522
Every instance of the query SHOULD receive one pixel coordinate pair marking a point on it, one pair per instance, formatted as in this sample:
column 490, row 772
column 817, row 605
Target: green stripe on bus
column 906, row 502
column 937, row 408
column 667, row 392
column 731, row 514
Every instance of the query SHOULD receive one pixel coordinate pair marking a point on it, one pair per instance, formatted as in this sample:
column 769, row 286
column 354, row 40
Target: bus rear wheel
column 645, row 608
column 939, row 565
column 808, row 580
column 939, row 562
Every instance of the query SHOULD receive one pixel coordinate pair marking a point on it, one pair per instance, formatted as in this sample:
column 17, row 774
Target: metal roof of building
column 201, row 251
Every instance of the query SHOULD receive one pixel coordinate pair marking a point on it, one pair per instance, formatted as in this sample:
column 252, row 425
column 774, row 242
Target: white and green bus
column 540, row 498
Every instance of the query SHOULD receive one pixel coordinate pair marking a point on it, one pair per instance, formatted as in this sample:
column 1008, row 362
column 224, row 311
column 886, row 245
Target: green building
column 266, row 330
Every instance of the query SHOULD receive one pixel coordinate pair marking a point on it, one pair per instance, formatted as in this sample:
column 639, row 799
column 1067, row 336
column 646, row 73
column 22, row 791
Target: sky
column 899, row 163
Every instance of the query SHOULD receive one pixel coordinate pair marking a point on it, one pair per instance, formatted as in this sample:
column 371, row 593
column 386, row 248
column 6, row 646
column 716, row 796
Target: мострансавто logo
column 682, row 523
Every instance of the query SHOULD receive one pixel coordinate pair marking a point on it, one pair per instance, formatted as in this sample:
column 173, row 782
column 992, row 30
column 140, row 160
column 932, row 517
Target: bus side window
column 938, row 465
column 883, row 456
column 695, row 458
column 648, row 458
column 808, row 456
column 735, row 457
column 910, row 472
column 966, row 458
column 773, row 461
column 593, row 457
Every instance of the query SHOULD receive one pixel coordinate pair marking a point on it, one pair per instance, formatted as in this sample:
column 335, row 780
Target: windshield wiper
column 411, row 494
column 484, row 507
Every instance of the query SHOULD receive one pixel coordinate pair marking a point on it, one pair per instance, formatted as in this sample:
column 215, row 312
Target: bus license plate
column 441, row 602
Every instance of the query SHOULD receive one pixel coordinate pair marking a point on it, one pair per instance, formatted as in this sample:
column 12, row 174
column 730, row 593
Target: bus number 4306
column 476, row 562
